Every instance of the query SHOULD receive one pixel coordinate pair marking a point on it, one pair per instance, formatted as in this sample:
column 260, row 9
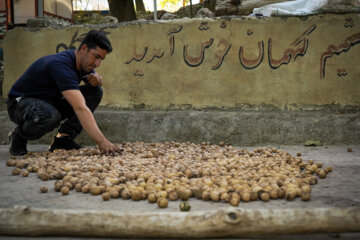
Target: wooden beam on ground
column 229, row 222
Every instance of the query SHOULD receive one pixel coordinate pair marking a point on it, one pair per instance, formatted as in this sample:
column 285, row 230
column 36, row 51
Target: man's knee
column 90, row 91
column 92, row 95
column 98, row 94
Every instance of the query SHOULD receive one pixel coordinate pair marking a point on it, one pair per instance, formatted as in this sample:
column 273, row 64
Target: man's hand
column 87, row 120
column 108, row 148
column 95, row 79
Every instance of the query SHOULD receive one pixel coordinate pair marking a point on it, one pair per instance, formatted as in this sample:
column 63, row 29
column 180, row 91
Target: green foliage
column 313, row 143
column 163, row 3
column 87, row 17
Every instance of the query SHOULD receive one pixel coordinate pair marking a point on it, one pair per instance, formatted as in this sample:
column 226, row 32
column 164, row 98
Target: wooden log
column 230, row 222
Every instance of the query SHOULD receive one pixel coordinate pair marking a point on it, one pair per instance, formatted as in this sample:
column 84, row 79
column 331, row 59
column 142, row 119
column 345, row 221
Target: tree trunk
column 140, row 6
column 123, row 10
column 210, row 4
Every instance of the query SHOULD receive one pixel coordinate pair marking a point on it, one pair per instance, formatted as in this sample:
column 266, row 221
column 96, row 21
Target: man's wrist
column 101, row 140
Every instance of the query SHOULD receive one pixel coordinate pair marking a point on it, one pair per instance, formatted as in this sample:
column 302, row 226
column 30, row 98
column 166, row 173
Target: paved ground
column 340, row 189
column 347, row 236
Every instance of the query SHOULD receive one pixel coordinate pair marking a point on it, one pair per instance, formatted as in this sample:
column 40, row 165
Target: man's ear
column 84, row 48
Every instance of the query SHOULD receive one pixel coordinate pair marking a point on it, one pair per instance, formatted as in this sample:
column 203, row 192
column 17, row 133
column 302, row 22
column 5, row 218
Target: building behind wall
column 17, row 12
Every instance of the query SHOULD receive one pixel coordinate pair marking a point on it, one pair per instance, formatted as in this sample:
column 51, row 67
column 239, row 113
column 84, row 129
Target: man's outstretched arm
column 87, row 121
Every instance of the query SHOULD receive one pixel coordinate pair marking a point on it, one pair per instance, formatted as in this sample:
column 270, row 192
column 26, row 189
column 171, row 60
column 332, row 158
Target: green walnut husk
column 184, row 206
column 313, row 143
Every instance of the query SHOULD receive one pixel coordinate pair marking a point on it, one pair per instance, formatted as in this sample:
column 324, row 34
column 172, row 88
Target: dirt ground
column 341, row 188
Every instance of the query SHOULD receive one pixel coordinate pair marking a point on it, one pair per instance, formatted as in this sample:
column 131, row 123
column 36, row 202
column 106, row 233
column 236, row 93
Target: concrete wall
column 245, row 81
column 282, row 63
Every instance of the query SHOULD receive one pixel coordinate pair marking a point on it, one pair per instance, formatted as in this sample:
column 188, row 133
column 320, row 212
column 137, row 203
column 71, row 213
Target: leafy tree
column 163, row 3
column 210, row 4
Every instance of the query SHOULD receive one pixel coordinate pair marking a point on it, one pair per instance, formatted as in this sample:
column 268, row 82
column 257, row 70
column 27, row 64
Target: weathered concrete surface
column 284, row 63
column 340, row 189
column 328, row 236
column 245, row 128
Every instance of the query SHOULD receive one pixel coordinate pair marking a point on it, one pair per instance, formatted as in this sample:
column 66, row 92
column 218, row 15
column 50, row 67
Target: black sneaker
column 17, row 144
column 65, row 143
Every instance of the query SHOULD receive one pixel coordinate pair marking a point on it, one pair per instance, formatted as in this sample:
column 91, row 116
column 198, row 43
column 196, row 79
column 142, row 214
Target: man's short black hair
column 95, row 39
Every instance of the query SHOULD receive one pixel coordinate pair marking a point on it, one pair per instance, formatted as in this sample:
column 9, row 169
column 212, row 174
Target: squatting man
column 49, row 92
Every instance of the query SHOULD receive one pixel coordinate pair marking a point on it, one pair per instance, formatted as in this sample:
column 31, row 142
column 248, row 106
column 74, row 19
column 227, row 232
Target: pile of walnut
column 161, row 171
